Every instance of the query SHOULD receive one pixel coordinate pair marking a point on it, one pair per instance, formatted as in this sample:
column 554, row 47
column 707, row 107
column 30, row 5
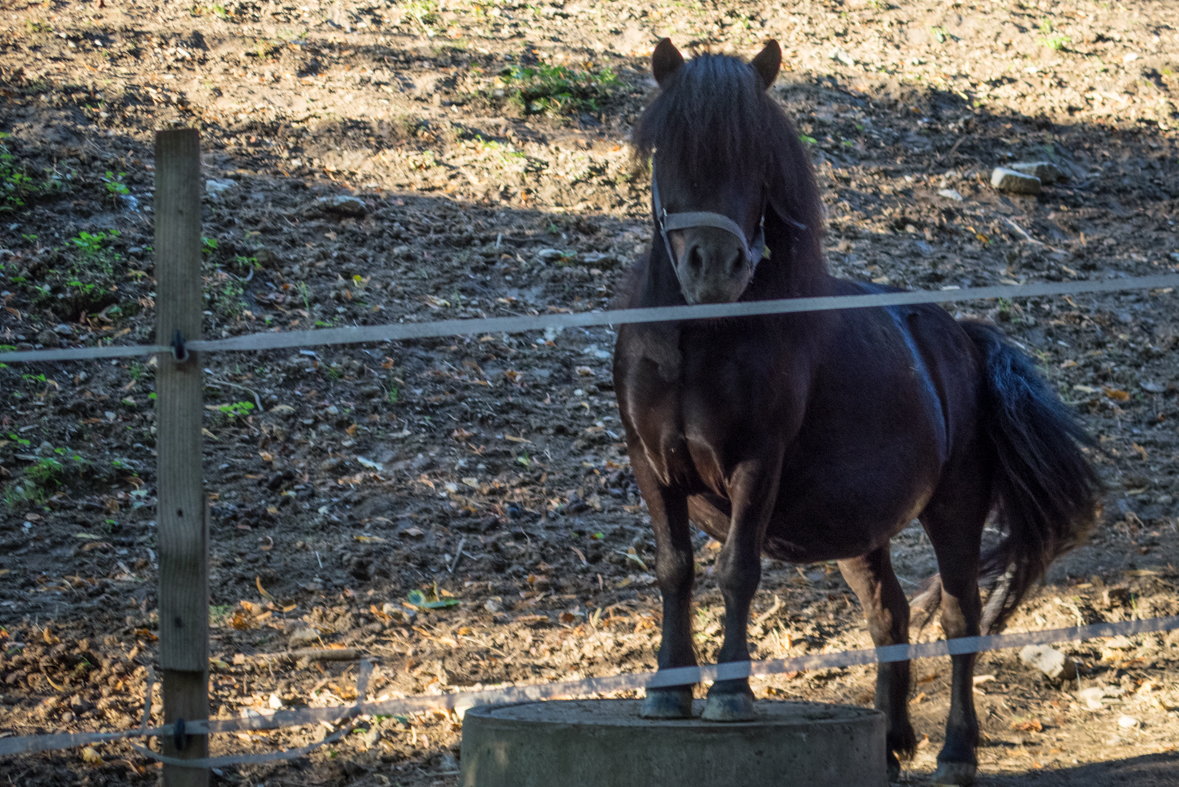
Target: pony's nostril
column 735, row 264
column 695, row 258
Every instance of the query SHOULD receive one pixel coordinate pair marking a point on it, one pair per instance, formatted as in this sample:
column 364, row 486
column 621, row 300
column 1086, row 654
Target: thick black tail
column 1046, row 493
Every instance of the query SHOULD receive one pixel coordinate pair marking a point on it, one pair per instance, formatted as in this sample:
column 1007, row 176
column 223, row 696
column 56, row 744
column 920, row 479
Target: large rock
column 1014, row 182
column 341, row 206
column 1046, row 171
column 1054, row 664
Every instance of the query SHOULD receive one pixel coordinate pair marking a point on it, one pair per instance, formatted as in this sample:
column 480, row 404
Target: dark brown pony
column 819, row 436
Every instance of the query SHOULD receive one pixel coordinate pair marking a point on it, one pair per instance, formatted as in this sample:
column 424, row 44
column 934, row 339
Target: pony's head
column 729, row 177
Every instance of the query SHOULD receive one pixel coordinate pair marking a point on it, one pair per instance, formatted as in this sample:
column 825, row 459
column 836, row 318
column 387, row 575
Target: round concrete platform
column 604, row 743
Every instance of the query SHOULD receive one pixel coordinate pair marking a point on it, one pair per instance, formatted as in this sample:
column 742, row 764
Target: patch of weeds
column 92, row 251
column 20, row 495
column 115, row 187
column 43, row 477
column 17, row 186
column 227, row 299
column 264, row 50
column 208, row 246
column 1052, row 39
column 394, row 394
column 236, row 410
column 45, row 471
column 939, row 34
column 551, row 90
column 245, row 264
column 425, row 13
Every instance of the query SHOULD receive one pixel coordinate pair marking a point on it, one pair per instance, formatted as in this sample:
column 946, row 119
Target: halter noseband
column 668, row 222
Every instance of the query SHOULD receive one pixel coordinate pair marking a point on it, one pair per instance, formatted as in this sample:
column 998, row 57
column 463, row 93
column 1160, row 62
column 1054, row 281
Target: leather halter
column 669, row 222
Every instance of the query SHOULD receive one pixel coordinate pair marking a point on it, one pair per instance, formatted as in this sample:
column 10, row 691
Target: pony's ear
column 767, row 63
column 665, row 60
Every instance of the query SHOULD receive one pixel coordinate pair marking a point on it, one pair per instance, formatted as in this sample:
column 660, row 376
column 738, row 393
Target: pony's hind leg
column 872, row 578
column 956, row 537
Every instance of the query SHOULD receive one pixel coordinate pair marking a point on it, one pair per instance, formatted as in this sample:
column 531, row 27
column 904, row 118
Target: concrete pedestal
column 604, row 743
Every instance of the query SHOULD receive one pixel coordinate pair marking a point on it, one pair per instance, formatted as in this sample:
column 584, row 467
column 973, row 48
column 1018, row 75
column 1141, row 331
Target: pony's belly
column 798, row 536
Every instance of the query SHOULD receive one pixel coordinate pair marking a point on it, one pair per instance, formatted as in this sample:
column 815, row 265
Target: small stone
column 1050, row 661
column 494, row 605
column 600, row 260
column 215, row 188
column 1003, row 179
column 840, row 56
column 1091, row 697
column 951, row 194
column 549, row 255
column 63, row 330
column 342, row 205
column 48, row 338
column 1151, row 387
column 303, row 637
column 1128, row 722
column 1046, row 171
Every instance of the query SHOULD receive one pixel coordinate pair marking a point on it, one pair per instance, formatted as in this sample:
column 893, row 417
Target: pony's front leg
column 752, row 489
column 676, row 571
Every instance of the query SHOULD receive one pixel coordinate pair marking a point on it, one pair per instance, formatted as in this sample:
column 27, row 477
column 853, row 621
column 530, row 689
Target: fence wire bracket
column 179, row 739
column 179, row 351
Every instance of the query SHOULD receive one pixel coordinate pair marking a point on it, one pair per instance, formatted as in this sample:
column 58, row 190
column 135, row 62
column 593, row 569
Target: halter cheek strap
column 669, row 222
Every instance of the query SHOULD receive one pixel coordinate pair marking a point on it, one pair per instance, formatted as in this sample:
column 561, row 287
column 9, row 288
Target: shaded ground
column 368, row 163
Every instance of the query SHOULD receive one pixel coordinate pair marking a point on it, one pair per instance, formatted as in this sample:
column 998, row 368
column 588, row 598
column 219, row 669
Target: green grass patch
column 545, row 89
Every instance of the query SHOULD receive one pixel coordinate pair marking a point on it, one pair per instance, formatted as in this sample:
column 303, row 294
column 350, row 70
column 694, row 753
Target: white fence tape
column 424, row 330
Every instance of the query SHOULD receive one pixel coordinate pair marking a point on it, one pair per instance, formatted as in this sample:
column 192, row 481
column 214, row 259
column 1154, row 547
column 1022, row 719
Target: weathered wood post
column 181, row 513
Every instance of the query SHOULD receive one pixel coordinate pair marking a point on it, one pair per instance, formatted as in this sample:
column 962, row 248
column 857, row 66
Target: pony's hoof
column 955, row 774
column 736, row 706
column 894, row 769
column 667, row 704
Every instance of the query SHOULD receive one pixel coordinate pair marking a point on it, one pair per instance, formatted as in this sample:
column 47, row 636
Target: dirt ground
column 378, row 162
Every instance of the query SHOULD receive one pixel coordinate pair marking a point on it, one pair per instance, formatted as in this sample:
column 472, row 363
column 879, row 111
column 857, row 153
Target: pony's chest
column 695, row 429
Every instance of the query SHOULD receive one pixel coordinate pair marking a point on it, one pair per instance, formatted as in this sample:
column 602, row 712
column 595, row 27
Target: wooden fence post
column 181, row 516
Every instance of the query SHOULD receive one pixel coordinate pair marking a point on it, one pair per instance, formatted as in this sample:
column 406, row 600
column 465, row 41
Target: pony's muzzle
column 713, row 266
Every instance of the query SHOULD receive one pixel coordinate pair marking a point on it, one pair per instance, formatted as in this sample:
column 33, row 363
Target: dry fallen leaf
column 1116, row 394
column 91, row 757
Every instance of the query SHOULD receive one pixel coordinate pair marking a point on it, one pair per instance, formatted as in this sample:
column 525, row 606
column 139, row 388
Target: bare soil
column 379, row 162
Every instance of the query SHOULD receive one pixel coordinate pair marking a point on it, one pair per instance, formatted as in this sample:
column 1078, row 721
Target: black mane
column 712, row 119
